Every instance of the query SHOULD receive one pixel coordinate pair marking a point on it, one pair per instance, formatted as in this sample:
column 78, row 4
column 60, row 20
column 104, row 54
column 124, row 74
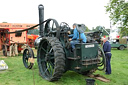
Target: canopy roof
column 15, row 25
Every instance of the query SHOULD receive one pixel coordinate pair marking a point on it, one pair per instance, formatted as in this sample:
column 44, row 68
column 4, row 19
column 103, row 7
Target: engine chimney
column 41, row 19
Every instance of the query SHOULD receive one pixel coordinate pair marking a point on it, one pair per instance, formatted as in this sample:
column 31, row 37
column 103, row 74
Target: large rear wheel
column 51, row 58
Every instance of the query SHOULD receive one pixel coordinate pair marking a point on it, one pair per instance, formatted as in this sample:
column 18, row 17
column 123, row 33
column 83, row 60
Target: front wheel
column 27, row 56
column 121, row 47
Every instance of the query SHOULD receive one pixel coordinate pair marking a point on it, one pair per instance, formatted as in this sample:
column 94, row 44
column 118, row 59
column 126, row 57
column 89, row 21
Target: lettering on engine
column 89, row 46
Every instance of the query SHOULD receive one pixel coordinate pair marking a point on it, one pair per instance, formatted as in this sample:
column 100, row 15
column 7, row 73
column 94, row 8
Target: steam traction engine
column 54, row 56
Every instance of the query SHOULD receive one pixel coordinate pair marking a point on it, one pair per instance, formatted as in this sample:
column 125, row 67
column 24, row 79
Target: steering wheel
column 64, row 27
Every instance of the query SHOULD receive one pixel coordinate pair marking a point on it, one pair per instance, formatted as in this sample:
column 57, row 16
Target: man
column 75, row 36
column 107, row 51
column 16, row 49
column 11, row 52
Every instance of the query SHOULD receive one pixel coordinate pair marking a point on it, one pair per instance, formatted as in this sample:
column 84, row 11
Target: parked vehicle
column 120, row 44
column 32, row 35
column 6, row 40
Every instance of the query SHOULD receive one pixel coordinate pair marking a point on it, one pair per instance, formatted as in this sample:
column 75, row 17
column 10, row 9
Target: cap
column 104, row 38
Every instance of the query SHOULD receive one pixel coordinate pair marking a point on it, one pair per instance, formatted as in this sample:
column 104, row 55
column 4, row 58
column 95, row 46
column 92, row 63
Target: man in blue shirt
column 75, row 36
column 107, row 51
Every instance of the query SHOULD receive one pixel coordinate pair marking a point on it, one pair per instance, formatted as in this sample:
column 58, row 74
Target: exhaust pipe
column 41, row 19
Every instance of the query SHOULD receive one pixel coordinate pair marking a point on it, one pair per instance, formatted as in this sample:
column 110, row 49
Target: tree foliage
column 118, row 10
column 33, row 31
column 87, row 29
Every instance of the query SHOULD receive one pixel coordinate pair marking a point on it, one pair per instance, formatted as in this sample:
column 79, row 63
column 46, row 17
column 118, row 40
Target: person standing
column 16, row 49
column 107, row 51
column 11, row 50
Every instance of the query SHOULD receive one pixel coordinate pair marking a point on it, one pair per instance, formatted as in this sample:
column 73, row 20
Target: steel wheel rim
column 26, row 55
column 46, row 60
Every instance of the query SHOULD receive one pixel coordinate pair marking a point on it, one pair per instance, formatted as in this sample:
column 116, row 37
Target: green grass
column 17, row 74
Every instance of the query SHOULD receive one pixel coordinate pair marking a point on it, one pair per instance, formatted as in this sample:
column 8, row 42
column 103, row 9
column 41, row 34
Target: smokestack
column 41, row 19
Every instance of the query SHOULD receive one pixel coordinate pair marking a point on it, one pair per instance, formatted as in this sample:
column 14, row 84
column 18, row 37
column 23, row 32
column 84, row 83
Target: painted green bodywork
column 84, row 54
column 84, row 51
column 119, row 42
column 114, row 45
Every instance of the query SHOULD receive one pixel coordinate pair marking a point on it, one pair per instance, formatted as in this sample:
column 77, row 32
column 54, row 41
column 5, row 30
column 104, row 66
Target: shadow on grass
column 72, row 78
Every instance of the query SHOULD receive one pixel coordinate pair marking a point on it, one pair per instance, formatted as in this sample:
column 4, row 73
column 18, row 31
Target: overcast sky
column 89, row 12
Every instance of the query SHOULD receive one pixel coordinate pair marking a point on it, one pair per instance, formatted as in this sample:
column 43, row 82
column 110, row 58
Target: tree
column 87, row 29
column 118, row 10
column 33, row 31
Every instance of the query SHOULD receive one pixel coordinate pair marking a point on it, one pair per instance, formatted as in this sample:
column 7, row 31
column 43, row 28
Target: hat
column 103, row 38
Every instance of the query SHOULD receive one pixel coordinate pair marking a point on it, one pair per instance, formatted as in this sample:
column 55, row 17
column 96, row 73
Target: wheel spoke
column 51, row 58
column 51, row 64
column 26, row 57
column 52, row 25
column 44, row 50
column 51, row 54
column 51, row 70
column 42, row 46
column 46, row 69
column 50, row 50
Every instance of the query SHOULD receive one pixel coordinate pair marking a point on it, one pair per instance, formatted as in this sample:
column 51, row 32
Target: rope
column 28, row 28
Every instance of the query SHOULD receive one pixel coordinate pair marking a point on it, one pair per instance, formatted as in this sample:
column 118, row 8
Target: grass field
column 17, row 74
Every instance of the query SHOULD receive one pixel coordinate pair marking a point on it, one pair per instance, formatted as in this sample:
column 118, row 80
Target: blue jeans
column 108, row 64
column 73, row 42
